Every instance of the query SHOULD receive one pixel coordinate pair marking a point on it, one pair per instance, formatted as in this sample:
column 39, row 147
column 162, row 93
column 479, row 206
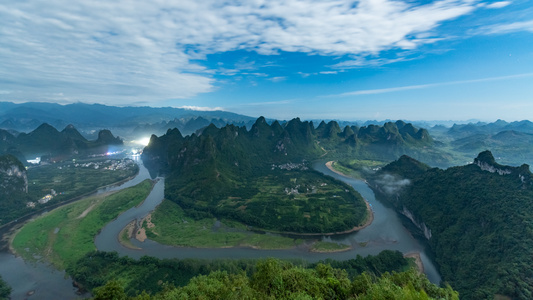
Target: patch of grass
column 357, row 168
column 173, row 227
column 329, row 247
column 62, row 237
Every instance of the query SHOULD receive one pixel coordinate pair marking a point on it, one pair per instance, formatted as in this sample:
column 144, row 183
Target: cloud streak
column 201, row 108
column 425, row 86
column 507, row 28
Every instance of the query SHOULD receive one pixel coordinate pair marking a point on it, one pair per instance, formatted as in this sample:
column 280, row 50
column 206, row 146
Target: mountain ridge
column 48, row 142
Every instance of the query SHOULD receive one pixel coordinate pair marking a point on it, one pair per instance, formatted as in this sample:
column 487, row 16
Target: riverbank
column 126, row 234
column 329, row 247
column 418, row 260
column 329, row 164
column 66, row 234
column 370, row 219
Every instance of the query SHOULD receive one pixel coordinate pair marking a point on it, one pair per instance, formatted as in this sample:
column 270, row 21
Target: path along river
column 385, row 232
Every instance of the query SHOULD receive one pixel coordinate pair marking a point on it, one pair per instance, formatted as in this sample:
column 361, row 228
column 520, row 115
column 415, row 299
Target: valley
column 369, row 248
column 233, row 193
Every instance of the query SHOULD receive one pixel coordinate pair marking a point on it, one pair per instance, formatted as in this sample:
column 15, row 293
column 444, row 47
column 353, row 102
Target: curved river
column 385, row 233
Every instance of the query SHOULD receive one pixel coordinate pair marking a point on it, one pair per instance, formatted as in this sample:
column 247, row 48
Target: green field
column 66, row 234
column 174, row 227
column 357, row 168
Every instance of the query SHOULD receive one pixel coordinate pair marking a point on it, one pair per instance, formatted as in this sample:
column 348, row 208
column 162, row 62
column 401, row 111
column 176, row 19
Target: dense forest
column 274, row 279
column 149, row 278
column 477, row 219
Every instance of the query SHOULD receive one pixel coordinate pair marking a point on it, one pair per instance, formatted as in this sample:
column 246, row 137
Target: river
column 385, row 233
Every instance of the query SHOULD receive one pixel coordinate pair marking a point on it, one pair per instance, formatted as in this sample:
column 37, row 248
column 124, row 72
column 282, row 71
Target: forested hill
column 13, row 178
column 261, row 176
column 295, row 140
column 257, row 177
column 13, row 185
column 477, row 219
column 47, row 141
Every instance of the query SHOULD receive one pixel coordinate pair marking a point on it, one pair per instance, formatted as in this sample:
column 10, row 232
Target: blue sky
column 350, row 60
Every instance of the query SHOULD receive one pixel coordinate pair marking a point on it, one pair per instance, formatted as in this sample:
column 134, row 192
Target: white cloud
column 132, row 50
column 359, row 62
column 424, row 86
column 201, row 108
column 277, row 79
column 506, row 28
column 499, row 4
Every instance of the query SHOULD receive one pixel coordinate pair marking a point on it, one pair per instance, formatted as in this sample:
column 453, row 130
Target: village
column 111, row 165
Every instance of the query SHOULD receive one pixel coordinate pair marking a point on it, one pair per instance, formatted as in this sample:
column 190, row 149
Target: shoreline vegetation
column 330, row 163
column 418, row 260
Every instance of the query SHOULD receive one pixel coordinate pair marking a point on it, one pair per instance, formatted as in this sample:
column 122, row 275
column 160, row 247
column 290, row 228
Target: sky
column 345, row 60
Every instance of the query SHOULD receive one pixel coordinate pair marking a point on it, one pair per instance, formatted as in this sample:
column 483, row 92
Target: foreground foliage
column 275, row 279
column 477, row 218
column 154, row 275
column 5, row 289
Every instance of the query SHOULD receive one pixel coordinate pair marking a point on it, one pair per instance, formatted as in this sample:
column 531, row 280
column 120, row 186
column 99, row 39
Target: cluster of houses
column 109, row 164
column 290, row 166
column 43, row 200
column 112, row 165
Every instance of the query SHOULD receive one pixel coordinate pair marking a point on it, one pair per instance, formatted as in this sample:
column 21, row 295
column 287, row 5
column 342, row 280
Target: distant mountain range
column 50, row 144
column 25, row 117
column 462, row 130
column 510, row 142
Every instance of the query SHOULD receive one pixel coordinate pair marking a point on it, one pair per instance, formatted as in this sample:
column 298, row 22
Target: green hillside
column 477, row 219
column 13, row 188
